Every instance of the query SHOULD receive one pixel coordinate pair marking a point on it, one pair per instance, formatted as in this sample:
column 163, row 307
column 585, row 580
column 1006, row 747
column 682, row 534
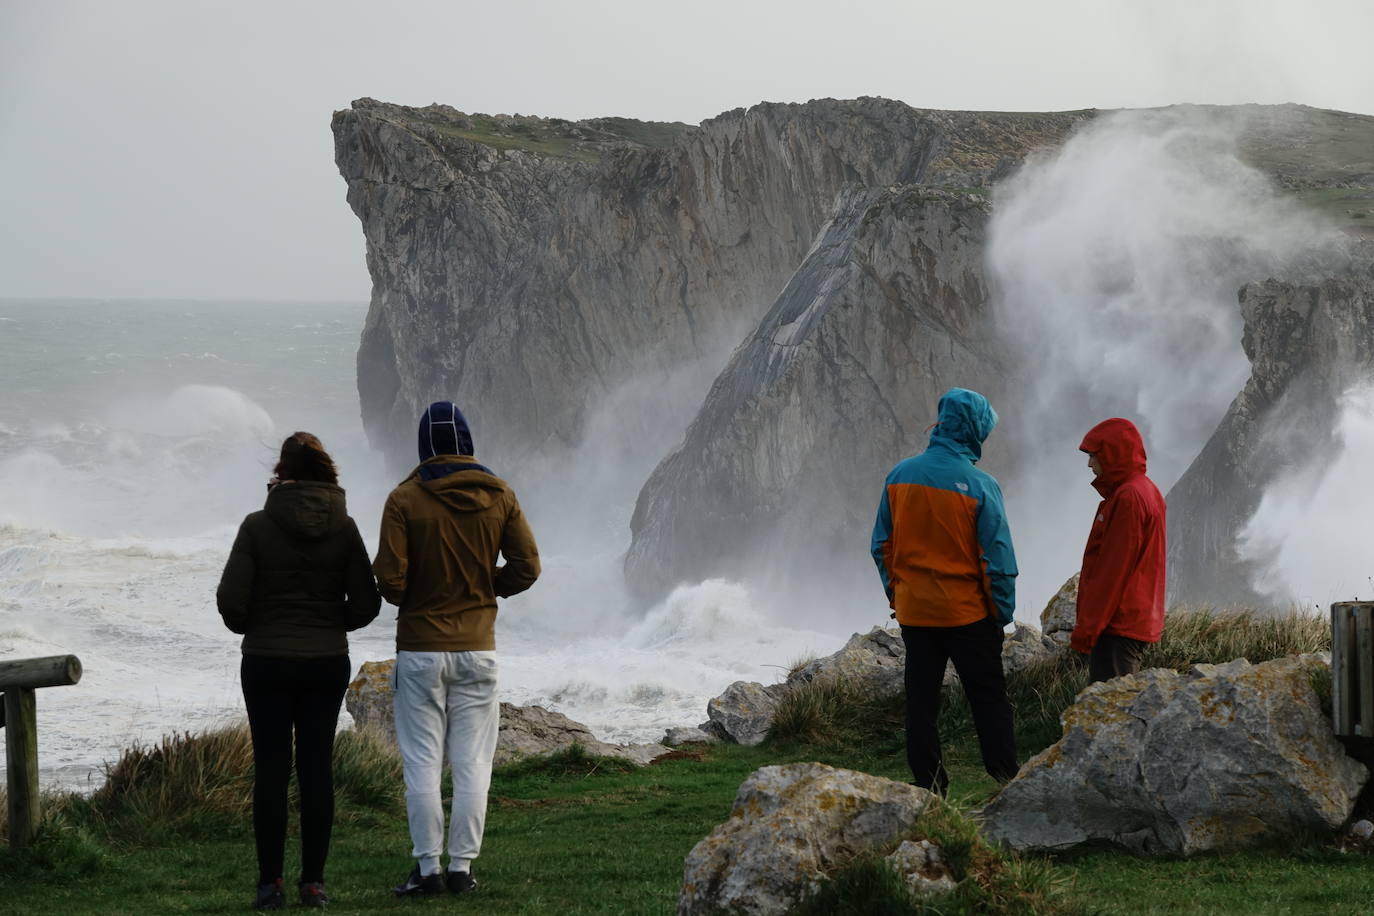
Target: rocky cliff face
column 1308, row 341
column 528, row 268
column 839, row 379
column 523, row 267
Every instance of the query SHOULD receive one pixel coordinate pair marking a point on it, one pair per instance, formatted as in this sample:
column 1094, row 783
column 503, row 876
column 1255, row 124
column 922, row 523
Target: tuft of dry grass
column 834, row 712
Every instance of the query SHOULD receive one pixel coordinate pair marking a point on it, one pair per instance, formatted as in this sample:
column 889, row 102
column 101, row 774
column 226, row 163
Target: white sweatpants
column 446, row 700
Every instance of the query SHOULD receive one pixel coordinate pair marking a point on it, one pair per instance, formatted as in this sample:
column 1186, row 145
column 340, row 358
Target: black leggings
column 282, row 695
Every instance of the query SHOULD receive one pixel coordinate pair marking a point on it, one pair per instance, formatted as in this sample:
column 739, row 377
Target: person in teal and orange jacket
column 1121, row 584
column 944, row 553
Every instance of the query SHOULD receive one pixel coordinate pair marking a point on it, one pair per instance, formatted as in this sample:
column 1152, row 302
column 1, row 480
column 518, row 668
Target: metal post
column 21, row 763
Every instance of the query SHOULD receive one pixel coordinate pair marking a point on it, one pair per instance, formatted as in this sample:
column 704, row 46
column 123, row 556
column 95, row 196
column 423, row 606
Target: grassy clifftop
column 1323, row 158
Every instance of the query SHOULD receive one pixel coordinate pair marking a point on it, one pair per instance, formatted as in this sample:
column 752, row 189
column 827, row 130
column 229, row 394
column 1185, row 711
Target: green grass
column 578, row 834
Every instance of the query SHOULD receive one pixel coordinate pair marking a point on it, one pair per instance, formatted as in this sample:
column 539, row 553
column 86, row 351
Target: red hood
column 1120, row 451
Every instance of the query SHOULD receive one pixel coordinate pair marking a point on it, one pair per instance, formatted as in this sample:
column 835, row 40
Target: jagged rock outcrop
column 525, row 731
column 1308, row 341
column 789, row 827
column 523, row 266
column 1060, row 615
column 839, row 380
column 1162, row 763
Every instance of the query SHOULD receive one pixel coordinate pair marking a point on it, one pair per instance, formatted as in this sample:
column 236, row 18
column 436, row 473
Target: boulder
column 1059, row 616
column 875, row 661
column 921, row 865
column 526, row 731
column 686, row 734
column 790, row 826
column 1024, row 646
column 1167, row 763
column 532, row 731
column 744, row 712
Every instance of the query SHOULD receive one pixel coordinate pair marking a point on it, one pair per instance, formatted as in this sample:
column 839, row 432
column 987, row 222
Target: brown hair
column 303, row 458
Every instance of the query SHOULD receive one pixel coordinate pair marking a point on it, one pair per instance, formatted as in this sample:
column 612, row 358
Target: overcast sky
column 182, row 149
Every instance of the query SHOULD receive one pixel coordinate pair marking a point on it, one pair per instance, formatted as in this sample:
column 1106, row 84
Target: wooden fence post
column 19, row 680
column 1352, row 668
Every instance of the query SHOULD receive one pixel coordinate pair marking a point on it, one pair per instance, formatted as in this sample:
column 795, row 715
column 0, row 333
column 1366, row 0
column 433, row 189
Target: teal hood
column 965, row 420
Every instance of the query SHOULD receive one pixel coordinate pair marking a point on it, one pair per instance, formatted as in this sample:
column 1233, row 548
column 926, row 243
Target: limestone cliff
column 787, row 454
column 524, row 266
column 1308, row 340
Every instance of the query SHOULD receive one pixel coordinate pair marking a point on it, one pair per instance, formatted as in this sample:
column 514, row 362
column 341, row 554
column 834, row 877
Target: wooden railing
column 18, row 680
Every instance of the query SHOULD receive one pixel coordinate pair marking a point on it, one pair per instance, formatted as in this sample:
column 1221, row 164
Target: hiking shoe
column 460, row 881
column 418, row 885
column 312, row 893
column 270, row 896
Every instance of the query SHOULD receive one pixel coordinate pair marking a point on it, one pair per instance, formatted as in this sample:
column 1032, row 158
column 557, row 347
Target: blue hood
column 444, row 431
column 966, row 419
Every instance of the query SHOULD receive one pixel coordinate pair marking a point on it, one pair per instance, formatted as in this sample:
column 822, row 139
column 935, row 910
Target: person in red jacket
column 1121, row 585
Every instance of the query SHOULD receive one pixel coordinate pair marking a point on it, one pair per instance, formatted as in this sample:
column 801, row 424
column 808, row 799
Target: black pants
column 976, row 650
column 301, row 695
column 1114, row 656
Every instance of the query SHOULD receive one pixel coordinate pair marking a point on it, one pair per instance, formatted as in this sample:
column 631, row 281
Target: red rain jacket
column 1121, row 587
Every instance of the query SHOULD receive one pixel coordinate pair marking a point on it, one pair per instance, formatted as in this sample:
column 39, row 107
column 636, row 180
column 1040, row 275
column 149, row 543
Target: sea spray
column 1115, row 263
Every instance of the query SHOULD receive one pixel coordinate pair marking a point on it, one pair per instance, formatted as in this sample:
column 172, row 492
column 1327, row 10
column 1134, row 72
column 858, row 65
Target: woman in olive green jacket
column 297, row 579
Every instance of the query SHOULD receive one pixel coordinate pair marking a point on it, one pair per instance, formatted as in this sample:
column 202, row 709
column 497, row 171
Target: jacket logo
column 961, row 485
column 1100, row 518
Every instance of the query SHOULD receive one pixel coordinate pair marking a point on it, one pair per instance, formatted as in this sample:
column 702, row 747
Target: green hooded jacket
column 298, row 576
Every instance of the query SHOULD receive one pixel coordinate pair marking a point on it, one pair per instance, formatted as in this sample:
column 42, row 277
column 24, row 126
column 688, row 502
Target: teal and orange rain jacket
column 1121, row 585
column 941, row 540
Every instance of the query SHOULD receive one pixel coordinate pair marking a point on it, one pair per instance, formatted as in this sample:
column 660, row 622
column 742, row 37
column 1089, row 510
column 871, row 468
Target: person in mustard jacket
column 444, row 529
column 944, row 553
column 1121, row 584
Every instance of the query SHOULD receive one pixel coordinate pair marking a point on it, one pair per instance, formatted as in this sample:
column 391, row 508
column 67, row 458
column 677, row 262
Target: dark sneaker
column 418, row 885
column 270, row 896
column 312, row 893
column 460, row 882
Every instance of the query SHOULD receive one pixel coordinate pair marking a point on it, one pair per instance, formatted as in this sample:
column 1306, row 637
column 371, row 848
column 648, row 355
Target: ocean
column 134, row 437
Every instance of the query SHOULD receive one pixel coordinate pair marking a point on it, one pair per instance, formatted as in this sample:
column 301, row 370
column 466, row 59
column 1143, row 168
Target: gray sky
column 182, row 149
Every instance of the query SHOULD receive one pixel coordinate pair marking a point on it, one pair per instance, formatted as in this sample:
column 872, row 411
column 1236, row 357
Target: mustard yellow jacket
column 444, row 528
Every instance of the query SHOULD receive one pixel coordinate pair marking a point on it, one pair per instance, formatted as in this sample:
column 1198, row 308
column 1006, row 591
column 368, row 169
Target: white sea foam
column 116, row 518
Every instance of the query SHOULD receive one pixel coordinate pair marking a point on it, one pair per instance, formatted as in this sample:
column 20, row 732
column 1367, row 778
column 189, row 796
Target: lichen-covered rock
column 922, row 866
column 744, row 712
column 1061, row 613
column 368, row 699
column 525, row 731
column 1163, row 763
column 790, row 826
column 679, row 735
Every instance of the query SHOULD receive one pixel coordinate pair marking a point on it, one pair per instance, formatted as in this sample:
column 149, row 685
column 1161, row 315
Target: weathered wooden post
column 19, row 679
column 1352, row 668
